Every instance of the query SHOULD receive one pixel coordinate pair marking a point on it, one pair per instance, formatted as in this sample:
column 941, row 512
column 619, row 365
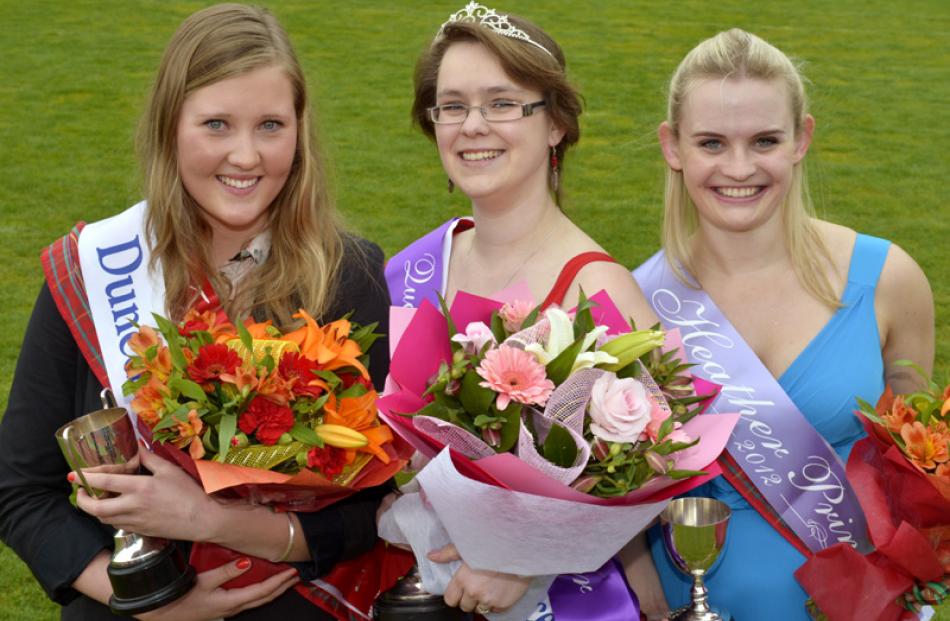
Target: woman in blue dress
column 825, row 312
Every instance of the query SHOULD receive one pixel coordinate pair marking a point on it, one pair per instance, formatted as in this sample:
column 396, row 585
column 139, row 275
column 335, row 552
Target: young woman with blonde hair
column 236, row 209
column 792, row 315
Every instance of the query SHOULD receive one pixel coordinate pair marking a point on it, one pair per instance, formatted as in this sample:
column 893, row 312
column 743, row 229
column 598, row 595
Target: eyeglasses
column 500, row 111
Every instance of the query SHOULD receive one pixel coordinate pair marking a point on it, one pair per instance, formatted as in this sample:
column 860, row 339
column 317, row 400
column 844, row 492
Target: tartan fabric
column 740, row 480
column 64, row 278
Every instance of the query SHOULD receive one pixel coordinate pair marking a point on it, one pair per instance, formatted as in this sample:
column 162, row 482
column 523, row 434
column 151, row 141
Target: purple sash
column 415, row 274
column 602, row 595
column 784, row 456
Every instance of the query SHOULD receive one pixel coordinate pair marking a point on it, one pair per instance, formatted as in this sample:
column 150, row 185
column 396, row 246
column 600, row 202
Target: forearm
column 93, row 582
column 257, row 531
column 642, row 577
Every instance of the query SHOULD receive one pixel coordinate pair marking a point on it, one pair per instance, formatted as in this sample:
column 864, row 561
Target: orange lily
column 189, row 433
column 244, row 378
column 921, row 446
column 275, row 388
column 149, row 400
column 330, row 346
column 899, row 414
column 359, row 413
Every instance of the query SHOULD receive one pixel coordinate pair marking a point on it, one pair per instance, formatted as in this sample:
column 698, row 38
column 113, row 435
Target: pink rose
column 475, row 337
column 514, row 314
column 657, row 417
column 619, row 408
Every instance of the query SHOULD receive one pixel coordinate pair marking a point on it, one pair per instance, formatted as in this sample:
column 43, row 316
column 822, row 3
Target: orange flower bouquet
column 288, row 420
column 901, row 474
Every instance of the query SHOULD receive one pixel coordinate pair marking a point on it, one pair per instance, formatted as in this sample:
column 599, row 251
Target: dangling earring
column 554, row 169
column 451, row 186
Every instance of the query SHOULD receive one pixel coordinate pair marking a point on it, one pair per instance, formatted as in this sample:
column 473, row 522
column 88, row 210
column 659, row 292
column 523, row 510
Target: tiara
column 482, row 15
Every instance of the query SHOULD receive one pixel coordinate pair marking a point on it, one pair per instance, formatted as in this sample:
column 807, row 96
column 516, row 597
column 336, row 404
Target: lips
column 480, row 156
column 739, row 191
column 238, row 184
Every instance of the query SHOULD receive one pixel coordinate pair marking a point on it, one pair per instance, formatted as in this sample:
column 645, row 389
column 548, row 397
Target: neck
column 509, row 220
column 729, row 254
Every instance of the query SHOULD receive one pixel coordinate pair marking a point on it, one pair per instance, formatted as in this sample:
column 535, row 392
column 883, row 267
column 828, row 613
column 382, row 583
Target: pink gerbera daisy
column 515, row 375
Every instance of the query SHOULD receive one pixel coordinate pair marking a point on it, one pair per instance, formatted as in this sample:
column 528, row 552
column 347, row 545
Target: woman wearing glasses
column 492, row 92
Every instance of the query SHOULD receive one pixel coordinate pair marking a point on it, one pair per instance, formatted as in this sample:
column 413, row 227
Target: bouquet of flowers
column 539, row 425
column 901, row 474
column 287, row 420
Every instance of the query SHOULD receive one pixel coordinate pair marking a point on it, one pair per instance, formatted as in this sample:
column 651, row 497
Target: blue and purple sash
column 790, row 464
column 415, row 274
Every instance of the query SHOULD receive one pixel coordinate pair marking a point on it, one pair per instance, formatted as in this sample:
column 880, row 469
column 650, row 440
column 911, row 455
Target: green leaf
column 170, row 332
column 498, row 327
column 188, row 388
column 684, row 474
column 448, row 318
column 303, row 433
column 665, row 428
column 583, row 318
column 356, row 390
column 559, row 447
column 475, row 399
column 246, row 338
column 226, row 430
column 559, row 369
column 511, row 428
column 331, row 378
column 532, row 318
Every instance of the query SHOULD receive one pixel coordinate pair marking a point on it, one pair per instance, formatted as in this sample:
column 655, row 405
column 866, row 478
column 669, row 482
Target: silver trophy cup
column 145, row 572
column 409, row 601
column 694, row 532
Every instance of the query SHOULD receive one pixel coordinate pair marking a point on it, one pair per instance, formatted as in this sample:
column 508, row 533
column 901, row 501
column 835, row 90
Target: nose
column 475, row 123
column 244, row 152
column 739, row 164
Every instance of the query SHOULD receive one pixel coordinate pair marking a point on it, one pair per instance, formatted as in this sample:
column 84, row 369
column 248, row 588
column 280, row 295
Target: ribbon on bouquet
column 781, row 454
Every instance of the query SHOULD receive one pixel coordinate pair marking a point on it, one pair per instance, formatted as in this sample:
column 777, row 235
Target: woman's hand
column 485, row 590
column 167, row 504
column 207, row 600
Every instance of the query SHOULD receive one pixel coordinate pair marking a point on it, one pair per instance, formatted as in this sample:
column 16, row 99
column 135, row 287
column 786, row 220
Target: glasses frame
column 527, row 109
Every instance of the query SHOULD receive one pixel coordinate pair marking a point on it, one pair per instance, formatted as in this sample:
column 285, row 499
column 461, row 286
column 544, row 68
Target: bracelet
column 291, row 531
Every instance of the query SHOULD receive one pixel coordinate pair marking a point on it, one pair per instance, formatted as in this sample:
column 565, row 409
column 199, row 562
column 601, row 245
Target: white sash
column 121, row 290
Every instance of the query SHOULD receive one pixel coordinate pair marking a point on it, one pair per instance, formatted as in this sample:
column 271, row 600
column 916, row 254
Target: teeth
column 743, row 192
column 240, row 184
column 474, row 156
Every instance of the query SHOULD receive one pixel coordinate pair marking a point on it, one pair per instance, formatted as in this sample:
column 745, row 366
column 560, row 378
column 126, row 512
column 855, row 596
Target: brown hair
column 215, row 44
column 524, row 63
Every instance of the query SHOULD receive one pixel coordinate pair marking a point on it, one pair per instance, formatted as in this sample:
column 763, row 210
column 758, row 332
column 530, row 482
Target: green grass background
column 73, row 78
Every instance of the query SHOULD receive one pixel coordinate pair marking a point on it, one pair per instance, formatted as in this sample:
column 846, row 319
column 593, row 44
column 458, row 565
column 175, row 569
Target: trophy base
column 686, row 613
column 151, row 584
column 432, row 610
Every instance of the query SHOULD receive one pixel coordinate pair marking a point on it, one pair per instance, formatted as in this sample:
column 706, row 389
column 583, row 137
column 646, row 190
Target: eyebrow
column 492, row 90
column 702, row 133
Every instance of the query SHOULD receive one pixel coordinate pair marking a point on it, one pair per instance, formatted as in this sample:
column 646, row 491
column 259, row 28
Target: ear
column 804, row 138
column 555, row 135
column 670, row 146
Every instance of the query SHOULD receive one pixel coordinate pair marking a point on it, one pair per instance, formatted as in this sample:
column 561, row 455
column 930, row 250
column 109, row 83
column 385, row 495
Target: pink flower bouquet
column 551, row 446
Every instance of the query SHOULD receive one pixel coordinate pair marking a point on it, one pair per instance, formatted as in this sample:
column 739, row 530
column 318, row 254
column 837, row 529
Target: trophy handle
column 74, row 458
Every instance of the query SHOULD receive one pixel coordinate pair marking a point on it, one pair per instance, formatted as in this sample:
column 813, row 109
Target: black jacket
column 53, row 385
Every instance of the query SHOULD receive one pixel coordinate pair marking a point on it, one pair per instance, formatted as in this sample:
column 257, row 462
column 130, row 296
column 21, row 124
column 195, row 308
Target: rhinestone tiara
column 482, row 15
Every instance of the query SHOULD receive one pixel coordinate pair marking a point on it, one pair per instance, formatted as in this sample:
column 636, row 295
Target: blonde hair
column 739, row 54
column 524, row 63
column 215, row 44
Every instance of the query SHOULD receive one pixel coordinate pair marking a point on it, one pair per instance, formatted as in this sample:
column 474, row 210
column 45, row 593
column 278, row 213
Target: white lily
column 560, row 338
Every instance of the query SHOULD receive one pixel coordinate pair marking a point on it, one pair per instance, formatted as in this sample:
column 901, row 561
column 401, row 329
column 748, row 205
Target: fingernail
column 71, row 477
column 243, row 563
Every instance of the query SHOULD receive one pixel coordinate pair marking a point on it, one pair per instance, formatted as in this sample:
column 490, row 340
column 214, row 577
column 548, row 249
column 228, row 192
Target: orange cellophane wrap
column 358, row 580
column 909, row 525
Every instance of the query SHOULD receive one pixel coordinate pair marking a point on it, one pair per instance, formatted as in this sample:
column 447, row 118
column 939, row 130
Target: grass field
column 75, row 74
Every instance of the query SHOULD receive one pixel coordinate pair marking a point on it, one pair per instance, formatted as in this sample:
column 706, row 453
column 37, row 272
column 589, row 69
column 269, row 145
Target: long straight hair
column 215, row 44
column 739, row 54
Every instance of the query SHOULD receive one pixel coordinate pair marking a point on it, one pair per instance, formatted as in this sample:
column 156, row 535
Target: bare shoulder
column 902, row 282
column 839, row 240
column 620, row 284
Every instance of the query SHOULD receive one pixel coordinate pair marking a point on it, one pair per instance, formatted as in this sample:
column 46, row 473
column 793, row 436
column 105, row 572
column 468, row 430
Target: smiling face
column 491, row 160
column 737, row 149
column 236, row 141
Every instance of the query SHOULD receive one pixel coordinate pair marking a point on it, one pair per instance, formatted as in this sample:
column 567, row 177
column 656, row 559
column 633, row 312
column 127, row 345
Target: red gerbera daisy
column 212, row 361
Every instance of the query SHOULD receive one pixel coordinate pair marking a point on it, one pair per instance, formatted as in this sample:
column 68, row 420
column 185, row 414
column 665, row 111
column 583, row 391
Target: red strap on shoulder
column 64, row 278
column 733, row 473
column 569, row 273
